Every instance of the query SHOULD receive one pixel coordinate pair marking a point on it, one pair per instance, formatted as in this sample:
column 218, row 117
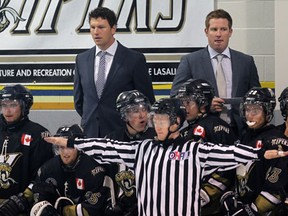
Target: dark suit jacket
column 128, row 72
column 197, row 65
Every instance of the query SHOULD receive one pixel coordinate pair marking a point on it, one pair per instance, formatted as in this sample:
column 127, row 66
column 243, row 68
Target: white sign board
column 31, row 28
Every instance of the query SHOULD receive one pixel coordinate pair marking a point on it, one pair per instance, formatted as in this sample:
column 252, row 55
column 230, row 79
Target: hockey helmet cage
column 128, row 99
column 264, row 97
column 283, row 100
column 172, row 107
column 18, row 92
column 200, row 90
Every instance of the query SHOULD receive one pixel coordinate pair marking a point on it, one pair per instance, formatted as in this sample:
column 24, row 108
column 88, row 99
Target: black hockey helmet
column 128, row 99
column 199, row 90
column 172, row 107
column 18, row 92
column 283, row 100
column 264, row 97
column 74, row 131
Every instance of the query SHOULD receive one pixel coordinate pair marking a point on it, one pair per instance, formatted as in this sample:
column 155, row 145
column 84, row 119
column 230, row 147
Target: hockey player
column 134, row 108
column 23, row 149
column 283, row 100
column 168, row 170
column 282, row 164
column 258, row 182
column 196, row 95
column 70, row 183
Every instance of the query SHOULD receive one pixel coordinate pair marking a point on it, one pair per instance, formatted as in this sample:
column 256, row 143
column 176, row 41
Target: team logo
column 220, row 128
column 6, row 165
column 97, row 170
column 126, row 181
column 279, row 141
column 4, row 21
column 7, row 161
column 45, row 134
column 92, row 198
column 242, row 173
column 176, row 155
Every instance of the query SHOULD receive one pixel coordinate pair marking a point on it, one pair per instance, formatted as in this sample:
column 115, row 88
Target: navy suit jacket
column 128, row 72
column 197, row 65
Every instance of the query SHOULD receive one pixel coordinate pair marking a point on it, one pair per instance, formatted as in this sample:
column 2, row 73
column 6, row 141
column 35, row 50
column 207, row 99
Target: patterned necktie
column 220, row 78
column 100, row 81
column 222, row 88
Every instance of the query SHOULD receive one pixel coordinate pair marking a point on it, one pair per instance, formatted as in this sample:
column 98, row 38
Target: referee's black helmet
column 172, row 107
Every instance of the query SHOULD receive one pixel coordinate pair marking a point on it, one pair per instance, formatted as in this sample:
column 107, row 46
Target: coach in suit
column 239, row 69
column 123, row 70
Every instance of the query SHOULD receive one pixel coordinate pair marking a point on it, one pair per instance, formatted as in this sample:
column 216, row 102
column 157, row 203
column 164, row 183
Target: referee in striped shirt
column 168, row 170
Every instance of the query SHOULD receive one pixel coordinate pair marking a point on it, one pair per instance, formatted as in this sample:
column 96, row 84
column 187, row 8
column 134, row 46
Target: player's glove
column 282, row 209
column 204, row 198
column 113, row 211
column 43, row 208
column 14, row 205
column 45, row 191
column 232, row 207
column 229, row 203
column 61, row 203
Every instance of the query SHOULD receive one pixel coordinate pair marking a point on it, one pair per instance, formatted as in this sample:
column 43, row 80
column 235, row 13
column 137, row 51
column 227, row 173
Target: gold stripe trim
column 53, row 106
column 53, row 99
column 268, row 85
column 265, row 84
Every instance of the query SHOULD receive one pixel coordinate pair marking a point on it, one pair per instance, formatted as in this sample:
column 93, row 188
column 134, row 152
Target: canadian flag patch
column 26, row 139
column 80, row 184
column 259, row 144
column 199, row 131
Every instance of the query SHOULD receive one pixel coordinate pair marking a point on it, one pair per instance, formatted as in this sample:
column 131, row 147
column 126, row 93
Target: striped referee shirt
column 168, row 178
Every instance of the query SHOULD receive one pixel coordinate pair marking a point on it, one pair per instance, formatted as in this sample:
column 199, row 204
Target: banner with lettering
column 40, row 39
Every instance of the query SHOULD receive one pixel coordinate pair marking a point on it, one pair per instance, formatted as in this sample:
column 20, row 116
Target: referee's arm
column 107, row 150
column 228, row 157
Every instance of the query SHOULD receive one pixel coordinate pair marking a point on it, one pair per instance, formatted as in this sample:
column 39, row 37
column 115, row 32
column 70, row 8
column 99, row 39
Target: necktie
column 220, row 78
column 100, row 81
column 221, row 85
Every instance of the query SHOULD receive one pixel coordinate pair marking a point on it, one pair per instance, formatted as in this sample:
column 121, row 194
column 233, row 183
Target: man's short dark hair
column 104, row 13
column 216, row 14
